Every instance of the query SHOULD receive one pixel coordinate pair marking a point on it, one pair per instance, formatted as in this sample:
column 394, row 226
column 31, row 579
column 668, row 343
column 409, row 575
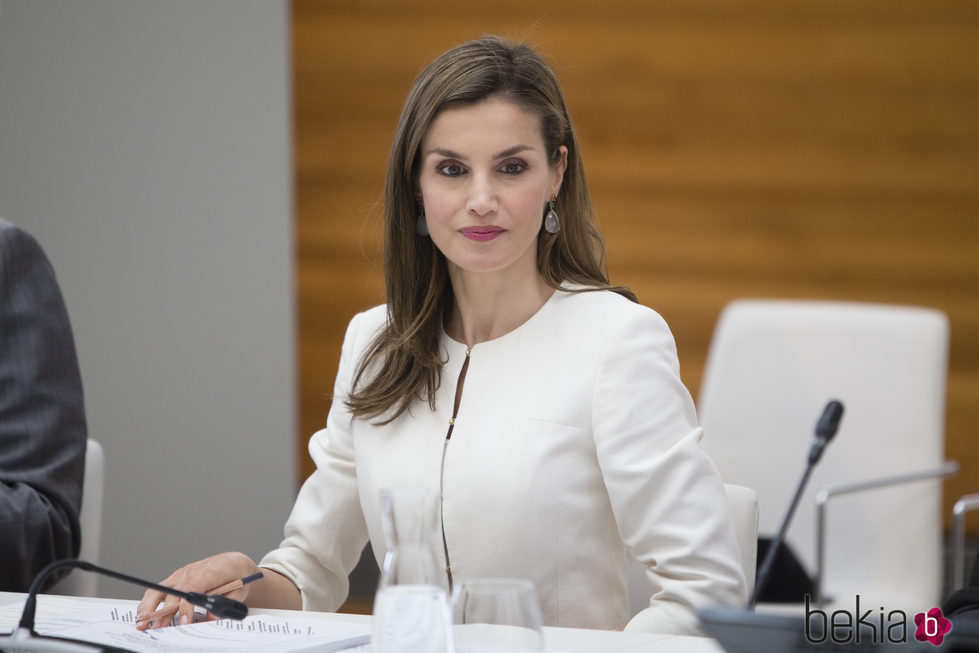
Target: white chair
column 771, row 368
column 78, row 582
column 743, row 505
column 963, row 505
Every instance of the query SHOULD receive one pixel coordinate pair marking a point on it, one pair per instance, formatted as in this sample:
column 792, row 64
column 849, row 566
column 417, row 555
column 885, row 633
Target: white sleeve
column 668, row 499
column 326, row 532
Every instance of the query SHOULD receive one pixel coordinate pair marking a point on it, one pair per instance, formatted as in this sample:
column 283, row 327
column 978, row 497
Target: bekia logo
column 843, row 626
column 932, row 626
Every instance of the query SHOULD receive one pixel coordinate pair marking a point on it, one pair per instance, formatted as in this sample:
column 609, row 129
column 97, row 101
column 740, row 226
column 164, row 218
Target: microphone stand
column 25, row 638
column 766, row 567
column 826, row 428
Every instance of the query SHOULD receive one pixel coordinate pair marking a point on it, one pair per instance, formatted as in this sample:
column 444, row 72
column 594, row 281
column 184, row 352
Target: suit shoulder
column 14, row 240
column 372, row 319
column 607, row 309
column 23, row 261
column 365, row 325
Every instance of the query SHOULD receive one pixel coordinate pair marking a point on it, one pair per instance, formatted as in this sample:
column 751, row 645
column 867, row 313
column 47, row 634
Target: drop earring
column 552, row 224
column 422, row 225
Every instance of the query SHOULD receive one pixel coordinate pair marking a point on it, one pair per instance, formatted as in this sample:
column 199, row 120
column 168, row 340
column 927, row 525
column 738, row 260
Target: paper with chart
column 115, row 625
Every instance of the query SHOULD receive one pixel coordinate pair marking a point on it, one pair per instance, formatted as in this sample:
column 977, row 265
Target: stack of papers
column 114, row 625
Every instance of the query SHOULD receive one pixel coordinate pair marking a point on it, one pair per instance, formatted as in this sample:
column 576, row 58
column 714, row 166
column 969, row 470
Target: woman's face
column 485, row 181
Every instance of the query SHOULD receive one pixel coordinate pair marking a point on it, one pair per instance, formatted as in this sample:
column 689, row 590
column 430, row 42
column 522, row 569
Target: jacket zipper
column 445, row 445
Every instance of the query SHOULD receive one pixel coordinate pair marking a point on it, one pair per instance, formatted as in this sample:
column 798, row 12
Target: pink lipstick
column 481, row 234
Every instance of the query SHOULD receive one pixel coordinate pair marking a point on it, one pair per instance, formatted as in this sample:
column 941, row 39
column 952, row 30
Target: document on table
column 115, row 625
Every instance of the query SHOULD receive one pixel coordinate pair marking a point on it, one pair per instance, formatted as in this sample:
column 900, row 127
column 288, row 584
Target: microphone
column 826, row 427
column 24, row 638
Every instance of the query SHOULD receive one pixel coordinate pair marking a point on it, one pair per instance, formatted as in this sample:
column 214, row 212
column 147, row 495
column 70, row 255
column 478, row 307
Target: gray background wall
column 147, row 146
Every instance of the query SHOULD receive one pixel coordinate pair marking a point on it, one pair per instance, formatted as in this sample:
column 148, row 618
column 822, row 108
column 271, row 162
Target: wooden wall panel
column 813, row 149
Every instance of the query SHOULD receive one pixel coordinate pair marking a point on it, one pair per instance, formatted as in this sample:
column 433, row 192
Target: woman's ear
column 559, row 168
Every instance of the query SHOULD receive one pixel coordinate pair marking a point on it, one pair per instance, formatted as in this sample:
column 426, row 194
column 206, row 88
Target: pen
column 220, row 589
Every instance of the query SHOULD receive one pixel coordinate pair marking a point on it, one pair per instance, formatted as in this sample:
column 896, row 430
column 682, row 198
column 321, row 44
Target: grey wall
column 146, row 145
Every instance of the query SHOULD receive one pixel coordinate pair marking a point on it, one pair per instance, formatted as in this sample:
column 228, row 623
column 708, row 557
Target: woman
column 544, row 404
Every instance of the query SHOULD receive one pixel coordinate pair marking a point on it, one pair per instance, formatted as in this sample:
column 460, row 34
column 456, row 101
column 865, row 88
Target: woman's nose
column 482, row 196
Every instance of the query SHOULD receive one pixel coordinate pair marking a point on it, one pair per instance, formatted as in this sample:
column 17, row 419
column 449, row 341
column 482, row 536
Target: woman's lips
column 481, row 233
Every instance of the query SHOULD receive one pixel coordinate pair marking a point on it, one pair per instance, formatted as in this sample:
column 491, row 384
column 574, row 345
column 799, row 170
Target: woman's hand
column 200, row 576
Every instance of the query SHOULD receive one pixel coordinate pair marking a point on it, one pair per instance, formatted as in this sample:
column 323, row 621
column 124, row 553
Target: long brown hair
column 404, row 359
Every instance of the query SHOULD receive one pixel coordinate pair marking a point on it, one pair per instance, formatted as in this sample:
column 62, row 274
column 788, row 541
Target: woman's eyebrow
column 446, row 153
column 516, row 149
column 510, row 151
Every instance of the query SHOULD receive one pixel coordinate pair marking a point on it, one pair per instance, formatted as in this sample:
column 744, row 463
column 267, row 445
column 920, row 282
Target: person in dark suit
column 42, row 417
column 963, row 604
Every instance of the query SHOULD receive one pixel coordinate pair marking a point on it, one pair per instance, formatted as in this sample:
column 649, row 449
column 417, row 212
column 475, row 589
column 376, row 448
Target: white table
column 572, row 640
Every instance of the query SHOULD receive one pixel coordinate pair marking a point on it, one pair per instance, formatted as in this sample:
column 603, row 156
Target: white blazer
column 575, row 447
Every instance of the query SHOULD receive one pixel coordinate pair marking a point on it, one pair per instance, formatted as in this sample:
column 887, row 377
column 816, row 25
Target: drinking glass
column 411, row 609
column 411, row 619
column 497, row 613
column 410, row 518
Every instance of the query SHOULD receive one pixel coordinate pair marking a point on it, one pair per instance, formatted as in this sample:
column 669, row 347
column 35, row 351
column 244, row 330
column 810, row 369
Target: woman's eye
column 451, row 169
column 512, row 168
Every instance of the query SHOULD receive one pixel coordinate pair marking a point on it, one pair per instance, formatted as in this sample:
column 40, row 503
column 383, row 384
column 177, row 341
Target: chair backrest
column 743, row 505
column 771, row 368
column 78, row 582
